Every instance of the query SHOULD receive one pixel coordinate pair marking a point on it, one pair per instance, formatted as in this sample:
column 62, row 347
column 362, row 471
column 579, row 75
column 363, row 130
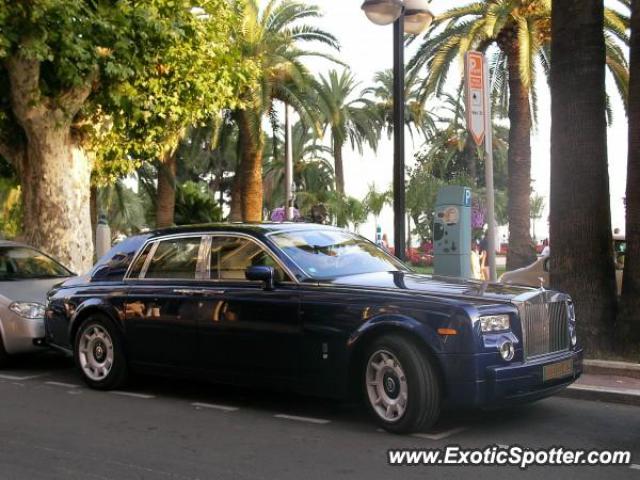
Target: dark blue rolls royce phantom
column 315, row 309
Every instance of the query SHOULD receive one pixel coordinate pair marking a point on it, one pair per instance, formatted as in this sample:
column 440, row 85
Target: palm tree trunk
column 251, row 138
column 339, row 166
column 630, row 307
column 580, row 220
column 166, row 196
column 521, row 251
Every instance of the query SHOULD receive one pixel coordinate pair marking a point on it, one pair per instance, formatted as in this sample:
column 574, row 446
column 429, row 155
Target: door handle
column 195, row 291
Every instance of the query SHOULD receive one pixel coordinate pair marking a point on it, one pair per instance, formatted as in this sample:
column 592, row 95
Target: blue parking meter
column 452, row 232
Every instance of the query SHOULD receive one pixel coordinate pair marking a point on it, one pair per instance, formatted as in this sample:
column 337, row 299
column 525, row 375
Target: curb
column 625, row 396
column 605, row 367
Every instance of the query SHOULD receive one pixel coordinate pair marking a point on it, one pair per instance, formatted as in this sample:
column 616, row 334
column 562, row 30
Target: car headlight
column 494, row 323
column 30, row 310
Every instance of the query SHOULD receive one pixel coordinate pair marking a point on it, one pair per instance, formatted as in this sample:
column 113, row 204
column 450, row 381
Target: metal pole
column 288, row 166
column 488, row 178
column 398, row 134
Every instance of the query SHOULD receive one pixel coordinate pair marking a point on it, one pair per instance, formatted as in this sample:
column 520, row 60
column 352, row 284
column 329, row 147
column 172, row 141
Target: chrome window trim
column 207, row 253
column 156, row 241
column 260, row 244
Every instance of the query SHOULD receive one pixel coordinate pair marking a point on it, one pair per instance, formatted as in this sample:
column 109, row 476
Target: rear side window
column 136, row 268
column 113, row 265
column 175, row 258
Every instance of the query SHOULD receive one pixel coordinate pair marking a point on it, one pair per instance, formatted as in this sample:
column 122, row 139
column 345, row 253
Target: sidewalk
column 606, row 381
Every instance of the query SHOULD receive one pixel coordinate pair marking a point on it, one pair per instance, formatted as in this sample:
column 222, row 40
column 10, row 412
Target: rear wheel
column 99, row 353
column 401, row 386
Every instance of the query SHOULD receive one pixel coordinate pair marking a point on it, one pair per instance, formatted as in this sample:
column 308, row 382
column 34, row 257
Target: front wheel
column 401, row 386
column 99, row 354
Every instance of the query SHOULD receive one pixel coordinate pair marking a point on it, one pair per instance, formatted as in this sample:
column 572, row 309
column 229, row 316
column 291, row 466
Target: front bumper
column 21, row 335
column 486, row 381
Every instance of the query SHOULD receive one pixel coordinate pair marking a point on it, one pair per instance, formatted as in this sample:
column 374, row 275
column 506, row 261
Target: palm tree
column 272, row 39
column 345, row 117
column 537, row 209
column 630, row 307
column 312, row 170
column 580, row 220
column 417, row 119
column 375, row 201
column 521, row 31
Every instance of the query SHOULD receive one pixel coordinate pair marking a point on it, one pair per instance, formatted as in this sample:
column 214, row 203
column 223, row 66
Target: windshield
column 325, row 254
column 19, row 263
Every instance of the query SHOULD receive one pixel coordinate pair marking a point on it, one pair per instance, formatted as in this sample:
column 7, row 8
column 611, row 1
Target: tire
column 4, row 356
column 99, row 353
column 400, row 384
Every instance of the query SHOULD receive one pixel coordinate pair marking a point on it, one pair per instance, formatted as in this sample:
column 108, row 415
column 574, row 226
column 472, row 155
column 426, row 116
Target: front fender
column 91, row 306
column 396, row 322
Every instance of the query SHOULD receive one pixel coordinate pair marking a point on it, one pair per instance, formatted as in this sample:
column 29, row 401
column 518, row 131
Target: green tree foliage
column 122, row 78
column 195, row 205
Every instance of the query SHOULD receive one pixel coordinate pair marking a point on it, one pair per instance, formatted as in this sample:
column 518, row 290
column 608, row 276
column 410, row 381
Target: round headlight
column 507, row 350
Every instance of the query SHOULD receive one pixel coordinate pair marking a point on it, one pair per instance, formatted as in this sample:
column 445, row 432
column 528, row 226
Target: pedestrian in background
column 476, row 267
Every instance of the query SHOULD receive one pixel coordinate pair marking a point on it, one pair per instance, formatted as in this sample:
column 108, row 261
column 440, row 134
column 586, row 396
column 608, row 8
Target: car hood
column 437, row 286
column 33, row 290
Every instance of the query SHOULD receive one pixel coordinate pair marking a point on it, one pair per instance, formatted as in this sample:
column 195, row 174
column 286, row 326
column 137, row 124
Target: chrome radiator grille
column 544, row 328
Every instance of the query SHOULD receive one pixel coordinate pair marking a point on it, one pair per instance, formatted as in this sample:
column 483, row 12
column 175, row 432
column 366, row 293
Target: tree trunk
column 166, row 195
column 56, row 186
column 252, row 142
column 521, row 251
column 55, row 173
column 339, row 167
column 630, row 307
column 580, row 220
column 93, row 212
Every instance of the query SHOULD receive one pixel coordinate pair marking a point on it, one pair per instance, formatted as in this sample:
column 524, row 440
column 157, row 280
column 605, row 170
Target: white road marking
column 212, row 406
column 62, row 384
column 439, row 436
column 15, row 377
column 503, row 446
column 634, row 466
column 132, row 394
column 318, row 421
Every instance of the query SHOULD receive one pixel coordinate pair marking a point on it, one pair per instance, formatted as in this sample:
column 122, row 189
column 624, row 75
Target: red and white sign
column 476, row 96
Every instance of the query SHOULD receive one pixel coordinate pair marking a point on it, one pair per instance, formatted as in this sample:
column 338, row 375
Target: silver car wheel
column 387, row 386
column 95, row 352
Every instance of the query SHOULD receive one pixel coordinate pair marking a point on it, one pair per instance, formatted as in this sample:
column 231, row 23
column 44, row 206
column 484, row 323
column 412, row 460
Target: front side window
column 175, row 258
column 18, row 263
column 231, row 256
column 327, row 254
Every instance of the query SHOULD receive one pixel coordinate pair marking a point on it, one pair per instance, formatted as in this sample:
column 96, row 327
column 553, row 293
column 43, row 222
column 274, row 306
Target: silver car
column 26, row 275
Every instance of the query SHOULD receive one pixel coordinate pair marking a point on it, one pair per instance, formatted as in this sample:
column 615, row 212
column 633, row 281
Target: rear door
column 163, row 303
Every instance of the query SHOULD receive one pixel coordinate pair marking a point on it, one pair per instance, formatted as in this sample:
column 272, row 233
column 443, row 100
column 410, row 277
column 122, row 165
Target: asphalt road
column 52, row 427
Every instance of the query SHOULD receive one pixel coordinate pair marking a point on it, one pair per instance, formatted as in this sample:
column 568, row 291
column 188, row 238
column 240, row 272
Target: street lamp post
column 413, row 17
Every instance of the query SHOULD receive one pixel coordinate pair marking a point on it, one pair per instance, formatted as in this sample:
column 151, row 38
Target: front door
column 246, row 330
column 163, row 303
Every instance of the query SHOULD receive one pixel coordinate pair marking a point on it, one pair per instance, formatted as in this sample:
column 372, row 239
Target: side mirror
column 262, row 274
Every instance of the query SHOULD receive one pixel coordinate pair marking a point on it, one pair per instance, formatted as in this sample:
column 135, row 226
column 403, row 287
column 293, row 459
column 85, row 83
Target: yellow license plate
column 557, row 370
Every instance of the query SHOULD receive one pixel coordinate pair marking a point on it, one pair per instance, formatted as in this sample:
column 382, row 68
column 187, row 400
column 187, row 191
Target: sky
column 367, row 48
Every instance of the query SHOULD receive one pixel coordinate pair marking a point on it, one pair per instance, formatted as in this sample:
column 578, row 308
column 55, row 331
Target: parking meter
column 452, row 232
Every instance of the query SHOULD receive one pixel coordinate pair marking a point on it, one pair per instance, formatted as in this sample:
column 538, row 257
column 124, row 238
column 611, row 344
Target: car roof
column 251, row 228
